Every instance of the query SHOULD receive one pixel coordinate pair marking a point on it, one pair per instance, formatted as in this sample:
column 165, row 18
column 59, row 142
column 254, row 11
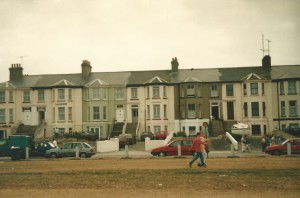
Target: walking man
column 198, row 152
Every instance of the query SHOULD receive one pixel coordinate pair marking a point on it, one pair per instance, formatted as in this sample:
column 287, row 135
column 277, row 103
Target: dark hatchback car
column 146, row 134
column 294, row 130
column 126, row 139
column 40, row 148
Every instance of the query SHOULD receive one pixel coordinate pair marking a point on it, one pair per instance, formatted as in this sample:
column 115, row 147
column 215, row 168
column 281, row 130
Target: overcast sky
column 54, row 36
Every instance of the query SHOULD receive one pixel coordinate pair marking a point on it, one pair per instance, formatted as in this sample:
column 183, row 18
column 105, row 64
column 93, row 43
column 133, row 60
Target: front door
column 135, row 115
column 230, row 111
column 215, row 110
column 120, row 114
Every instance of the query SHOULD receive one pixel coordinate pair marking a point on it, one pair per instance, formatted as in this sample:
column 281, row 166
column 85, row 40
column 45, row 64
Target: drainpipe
column 179, row 112
column 278, row 111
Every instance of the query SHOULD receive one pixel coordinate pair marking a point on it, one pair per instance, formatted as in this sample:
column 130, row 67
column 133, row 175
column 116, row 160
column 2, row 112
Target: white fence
column 108, row 145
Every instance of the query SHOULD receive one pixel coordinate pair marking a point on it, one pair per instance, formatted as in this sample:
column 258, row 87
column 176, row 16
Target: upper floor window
column 11, row 96
column 254, row 88
column 87, row 94
column 190, row 90
column 61, row 113
column 293, row 108
column 119, row 93
column 214, row 91
column 165, row 91
column 263, row 88
column 148, row 92
column 245, row 89
column 229, row 90
column 61, row 94
column 255, row 108
column 165, row 112
column 96, row 93
column 11, row 115
column 96, row 113
column 156, row 111
column 155, row 92
column 134, row 93
column 245, row 109
column 104, row 113
column 281, row 87
column 41, row 95
column 70, row 93
column 104, row 93
column 2, row 96
column 191, row 110
column 148, row 111
column 264, row 108
column 26, row 96
column 282, row 108
column 291, row 87
column 2, row 116
column 70, row 111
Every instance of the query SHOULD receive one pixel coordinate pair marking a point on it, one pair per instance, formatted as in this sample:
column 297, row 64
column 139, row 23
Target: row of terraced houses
column 265, row 97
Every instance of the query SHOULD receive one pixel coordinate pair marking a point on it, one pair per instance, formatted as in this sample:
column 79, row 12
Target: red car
column 171, row 149
column 161, row 135
column 281, row 149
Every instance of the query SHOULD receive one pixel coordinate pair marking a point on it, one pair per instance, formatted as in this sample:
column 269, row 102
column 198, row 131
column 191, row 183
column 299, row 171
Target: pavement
column 138, row 151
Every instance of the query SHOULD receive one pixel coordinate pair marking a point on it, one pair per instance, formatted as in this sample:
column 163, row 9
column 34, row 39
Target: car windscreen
column 86, row 145
column 175, row 143
column 2, row 142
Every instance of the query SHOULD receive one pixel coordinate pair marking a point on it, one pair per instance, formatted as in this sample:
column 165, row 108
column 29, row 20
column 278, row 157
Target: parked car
column 69, row 150
column 126, row 139
column 146, row 134
column 161, row 135
column 281, row 149
column 18, row 142
column 171, row 149
column 294, row 130
column 41, row 147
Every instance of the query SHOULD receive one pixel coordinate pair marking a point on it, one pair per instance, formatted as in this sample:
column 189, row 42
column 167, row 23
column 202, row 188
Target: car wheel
column 161, row 154
column 83, row 155
column 276, row 152
column 53, row 155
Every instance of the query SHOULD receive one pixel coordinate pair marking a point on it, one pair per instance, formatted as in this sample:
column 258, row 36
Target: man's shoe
column 199, row 164
column 204, row 165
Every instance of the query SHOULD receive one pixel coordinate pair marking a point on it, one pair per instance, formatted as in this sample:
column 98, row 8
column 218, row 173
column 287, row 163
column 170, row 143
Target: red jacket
column 197, row 145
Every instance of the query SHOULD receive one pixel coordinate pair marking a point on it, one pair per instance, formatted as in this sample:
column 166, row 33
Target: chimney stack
column 86, row 68
column 15, row 72
column 266, row 62
column 174, row 64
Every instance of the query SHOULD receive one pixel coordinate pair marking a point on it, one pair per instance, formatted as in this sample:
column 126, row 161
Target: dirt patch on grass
column 157, row 177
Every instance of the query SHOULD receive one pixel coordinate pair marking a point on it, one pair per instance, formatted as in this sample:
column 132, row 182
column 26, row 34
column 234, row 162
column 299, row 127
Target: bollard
column 289, row 148
column 126, row 150
column 232, row 150
column 179, row 150
column 77, row 152
column 27, row 153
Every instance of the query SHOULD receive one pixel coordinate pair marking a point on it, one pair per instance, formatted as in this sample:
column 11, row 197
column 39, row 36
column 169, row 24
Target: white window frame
column 155, row 92
column 61, row 113
column 2, row 96
column 134, row 93
column 156, row 111
column 26, row 96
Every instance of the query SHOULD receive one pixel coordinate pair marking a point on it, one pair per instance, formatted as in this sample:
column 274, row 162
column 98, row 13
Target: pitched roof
column 138, row 78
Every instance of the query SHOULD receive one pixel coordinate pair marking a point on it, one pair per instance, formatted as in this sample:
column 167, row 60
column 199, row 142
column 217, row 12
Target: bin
column 15, row 153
